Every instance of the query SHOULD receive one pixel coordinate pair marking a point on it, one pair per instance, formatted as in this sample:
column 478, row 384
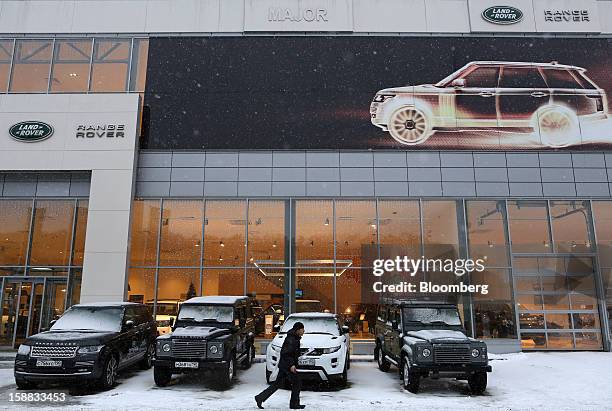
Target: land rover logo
column 502, row 15
column 31, row 131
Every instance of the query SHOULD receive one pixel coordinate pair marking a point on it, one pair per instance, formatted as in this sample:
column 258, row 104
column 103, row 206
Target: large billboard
column 349, row 92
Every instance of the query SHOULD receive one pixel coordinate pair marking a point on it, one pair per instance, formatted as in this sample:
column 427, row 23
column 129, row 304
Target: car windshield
column 90, row 318
column 198, row 312
column 166, row 309
column 313, row 325
column 448, row 316
column 450, row 77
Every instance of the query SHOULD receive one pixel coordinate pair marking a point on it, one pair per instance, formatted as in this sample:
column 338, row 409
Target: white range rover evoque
column 324, row 348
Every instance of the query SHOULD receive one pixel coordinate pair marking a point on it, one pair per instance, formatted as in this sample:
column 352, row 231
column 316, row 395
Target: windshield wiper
column 319, row 332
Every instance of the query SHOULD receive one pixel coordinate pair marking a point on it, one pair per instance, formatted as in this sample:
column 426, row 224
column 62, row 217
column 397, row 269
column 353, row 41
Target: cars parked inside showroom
column 90, row 343
column 549, row 98
column 325, row 352
column 211, row 334
column 165, row 314
column 427, row 339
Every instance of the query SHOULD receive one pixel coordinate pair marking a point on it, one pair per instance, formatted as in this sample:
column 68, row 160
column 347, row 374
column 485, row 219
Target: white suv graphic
column 549, row 98
column 324, row 348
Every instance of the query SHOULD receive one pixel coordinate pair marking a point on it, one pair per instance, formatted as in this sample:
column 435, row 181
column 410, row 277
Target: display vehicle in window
column 427, row 339
column 90, row 343
column 214, row 333
column 325, row 354
column 547, row 98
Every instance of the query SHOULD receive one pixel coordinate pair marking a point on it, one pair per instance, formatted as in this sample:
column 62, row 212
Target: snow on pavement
column 579, row 380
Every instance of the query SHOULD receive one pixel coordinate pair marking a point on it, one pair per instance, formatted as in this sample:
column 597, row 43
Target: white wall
column 110, row 160
column 238, row 16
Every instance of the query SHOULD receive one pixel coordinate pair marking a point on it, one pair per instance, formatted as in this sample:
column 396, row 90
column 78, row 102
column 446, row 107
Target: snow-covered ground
column 518, row 381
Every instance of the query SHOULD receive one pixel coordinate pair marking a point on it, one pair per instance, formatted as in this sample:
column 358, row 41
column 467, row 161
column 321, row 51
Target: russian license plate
column 306, row 361
column 48, row 363
column 186, row 364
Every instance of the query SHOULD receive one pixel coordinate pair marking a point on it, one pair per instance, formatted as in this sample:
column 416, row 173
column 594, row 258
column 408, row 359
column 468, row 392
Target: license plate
column 186, row 364
column 48, row 363
column 306, row 361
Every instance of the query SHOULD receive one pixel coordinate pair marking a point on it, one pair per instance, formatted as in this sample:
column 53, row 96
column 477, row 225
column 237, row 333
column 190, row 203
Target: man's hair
column 297, row 326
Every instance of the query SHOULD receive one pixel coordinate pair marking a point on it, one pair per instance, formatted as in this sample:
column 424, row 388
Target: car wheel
column 559, row 126
column 226, row 375
column 248, row 360
column 162, row 376
column 410, row 379
column 344, row 377
column 410, row 126
column 109, row 373
column 383, row 364
column 24, row 384
column 147, row 362
column 478, row 382
column 348, row 360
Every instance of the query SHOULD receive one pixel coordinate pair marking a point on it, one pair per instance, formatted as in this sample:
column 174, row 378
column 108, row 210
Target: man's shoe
column 297, row 407
column 258, row 401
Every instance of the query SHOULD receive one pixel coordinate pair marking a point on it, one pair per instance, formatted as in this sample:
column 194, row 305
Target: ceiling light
column 326, row 222
column 221, row 244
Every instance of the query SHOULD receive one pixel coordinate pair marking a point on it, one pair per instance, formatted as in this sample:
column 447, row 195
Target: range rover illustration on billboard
column 551, row 99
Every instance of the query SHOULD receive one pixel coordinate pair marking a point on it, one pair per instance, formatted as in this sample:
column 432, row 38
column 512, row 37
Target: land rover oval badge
column 31, row 131
column 502, row 15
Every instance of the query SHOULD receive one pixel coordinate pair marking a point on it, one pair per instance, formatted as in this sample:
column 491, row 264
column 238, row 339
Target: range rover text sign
column 502, row 15
column 31, row 131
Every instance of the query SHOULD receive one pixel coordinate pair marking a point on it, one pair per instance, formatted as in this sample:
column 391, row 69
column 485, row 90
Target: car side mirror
column 129, row 324
column 394, row 325
column 51, row 323
column 172, row 321
column 276, row 327
column 345, row 329
column 458, row 82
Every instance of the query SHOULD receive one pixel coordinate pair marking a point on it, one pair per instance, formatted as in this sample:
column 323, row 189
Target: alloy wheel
column 558, row 127
column 409, row 126
column 111, row 371
column 230, row 369
column 406, row 374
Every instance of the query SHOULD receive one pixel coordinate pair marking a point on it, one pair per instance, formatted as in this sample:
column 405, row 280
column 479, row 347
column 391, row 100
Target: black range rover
column 213, row 333
column 427, row 339
column 90, row 343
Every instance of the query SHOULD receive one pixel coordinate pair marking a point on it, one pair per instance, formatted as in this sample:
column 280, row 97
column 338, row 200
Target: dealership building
column 155, row 150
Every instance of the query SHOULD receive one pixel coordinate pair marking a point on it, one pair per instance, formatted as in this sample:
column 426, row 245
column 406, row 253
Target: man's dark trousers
column 296, row 386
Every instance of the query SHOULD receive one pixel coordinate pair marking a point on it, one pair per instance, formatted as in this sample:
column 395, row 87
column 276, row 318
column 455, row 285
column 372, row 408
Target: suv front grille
column 452, row 354
column 188, row 348
column 58, row 351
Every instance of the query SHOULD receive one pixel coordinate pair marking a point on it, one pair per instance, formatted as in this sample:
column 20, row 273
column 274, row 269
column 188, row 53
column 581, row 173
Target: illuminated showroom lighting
column 326, row 222
column 221, row 244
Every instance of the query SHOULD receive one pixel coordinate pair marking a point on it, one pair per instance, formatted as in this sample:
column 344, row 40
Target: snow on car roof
column 524, row 63
column 105, row 304
column 312, row 315
column 216, row 299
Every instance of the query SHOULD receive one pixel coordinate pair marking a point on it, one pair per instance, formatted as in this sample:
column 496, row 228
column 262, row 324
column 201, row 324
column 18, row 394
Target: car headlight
column 90, row 349
column 380, row 98
column 426, row 352
column 475, row 353
column 214, row 349
column 23, row 350
column 276, row 347
column 330, row 350
column 166, row 347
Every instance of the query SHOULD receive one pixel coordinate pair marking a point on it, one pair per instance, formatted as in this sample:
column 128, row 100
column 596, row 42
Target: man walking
column 290, row 352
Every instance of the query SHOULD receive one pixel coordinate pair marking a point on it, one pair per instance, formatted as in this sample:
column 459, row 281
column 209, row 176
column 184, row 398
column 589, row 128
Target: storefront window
column 52, row 232
column 71, row 59
column 529, row 226
column 181, row 233
column 144, row 232
column 31, row 66
column 138, row 71
column 440, row 229
column 602, row 212
column 399, row 228
column 6, row 55
column 111, row 59
column 224, row 233
column 223, row 282
column 486, row 225
column 356, row 231
column 355, row 310
column 177, row 284
column 141, row 285
column 266, row 225
column 571, row 226
column 14, row 230
column 314, row 235
column 79, row 232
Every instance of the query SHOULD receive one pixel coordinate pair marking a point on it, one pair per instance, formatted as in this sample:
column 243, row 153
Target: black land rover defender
column 210, row 334
column 427, row 339
column 89, row 344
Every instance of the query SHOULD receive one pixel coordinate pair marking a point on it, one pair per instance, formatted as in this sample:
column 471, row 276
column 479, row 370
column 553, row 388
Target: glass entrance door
column 28, row 306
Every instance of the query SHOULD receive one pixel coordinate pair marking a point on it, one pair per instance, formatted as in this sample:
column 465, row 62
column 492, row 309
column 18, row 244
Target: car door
column 130, row 337
column 521, row 92
column 475, row 104
column 389, row 331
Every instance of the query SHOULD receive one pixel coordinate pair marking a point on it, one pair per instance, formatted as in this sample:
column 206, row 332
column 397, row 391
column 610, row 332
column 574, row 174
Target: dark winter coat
column 290, row 351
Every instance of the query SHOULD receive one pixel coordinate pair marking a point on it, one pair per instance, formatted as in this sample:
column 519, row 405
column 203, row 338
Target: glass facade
column 42, row 243
column 317, row 255
column 73, row 65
